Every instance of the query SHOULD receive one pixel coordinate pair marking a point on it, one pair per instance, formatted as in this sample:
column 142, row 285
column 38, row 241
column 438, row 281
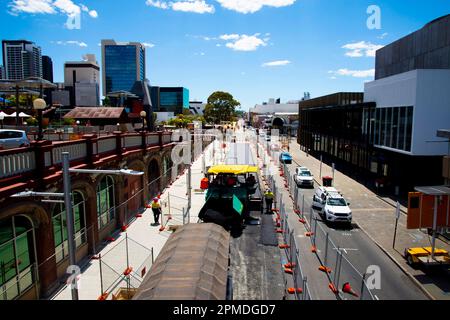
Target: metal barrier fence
column 339, row 268
column 342, row 272
column 123, row 268
column 300, row 282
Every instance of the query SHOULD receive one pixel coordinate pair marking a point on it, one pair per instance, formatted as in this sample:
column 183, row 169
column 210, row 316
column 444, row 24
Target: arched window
column 105, row 201
column 17, row 256
column 60, row 225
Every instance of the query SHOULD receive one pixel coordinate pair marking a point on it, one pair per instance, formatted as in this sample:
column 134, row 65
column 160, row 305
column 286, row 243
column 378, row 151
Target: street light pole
column 69, row 218
column 39, row 105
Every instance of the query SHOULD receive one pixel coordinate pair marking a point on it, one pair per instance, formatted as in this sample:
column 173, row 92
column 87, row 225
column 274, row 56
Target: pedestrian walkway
column 143, row 233
column 376, row 217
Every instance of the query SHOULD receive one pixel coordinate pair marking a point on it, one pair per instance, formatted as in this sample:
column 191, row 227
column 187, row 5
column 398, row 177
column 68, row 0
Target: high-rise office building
column 123, row 64
column 21, row 59
column 1, row 73
column 82, row 78
column 47, row 68
column 170, row 99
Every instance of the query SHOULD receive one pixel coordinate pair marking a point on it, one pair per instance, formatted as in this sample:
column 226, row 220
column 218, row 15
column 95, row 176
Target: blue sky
column 255, row 49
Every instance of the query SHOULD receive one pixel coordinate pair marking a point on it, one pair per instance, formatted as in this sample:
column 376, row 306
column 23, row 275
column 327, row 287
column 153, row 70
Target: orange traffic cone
column 347, row 288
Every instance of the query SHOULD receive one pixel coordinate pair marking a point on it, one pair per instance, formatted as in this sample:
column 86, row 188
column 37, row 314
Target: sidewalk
column 143, row 233
column 376, row 217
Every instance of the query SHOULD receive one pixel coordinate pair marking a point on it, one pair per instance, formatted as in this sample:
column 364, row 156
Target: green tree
column 221, row 106
column 106, row 102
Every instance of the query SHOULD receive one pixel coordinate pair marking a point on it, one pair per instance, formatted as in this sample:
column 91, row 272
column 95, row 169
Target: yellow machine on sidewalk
column 429, row 208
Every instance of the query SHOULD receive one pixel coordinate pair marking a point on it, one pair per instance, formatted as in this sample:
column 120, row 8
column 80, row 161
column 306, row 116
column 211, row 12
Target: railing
column 152, row 140
column 77, row 150
column 45, row 155
column 132, row 141
column 17, row 161
column 167, row 138
column 105, row 145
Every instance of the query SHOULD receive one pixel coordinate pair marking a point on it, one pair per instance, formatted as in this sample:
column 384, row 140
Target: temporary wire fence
column 300, row 288
column 123, row 268
column 341, row 271
column 338, row 267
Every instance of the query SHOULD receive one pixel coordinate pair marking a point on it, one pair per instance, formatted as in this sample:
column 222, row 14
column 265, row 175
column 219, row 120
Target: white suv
column 331, row 205
column 303, row 177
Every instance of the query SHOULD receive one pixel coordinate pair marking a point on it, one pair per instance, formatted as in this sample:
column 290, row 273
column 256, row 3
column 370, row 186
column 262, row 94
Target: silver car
column 11, row 139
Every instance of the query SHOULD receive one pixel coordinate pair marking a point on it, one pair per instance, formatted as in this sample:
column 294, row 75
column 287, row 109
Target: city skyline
column 228, row 45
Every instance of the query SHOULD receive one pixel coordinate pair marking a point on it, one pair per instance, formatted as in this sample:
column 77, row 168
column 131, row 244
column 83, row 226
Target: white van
column 331, row 205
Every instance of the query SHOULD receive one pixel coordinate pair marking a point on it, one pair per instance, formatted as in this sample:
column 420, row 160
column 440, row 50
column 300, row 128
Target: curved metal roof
column 193, row 265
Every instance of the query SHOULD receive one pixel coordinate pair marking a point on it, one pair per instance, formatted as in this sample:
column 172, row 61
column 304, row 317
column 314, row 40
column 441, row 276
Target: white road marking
column 347, row 249
column 376, row 297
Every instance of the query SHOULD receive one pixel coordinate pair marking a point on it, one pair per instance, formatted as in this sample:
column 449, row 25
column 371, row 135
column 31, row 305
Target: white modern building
column 83, row 79
column 274, row 114
column 410, row 108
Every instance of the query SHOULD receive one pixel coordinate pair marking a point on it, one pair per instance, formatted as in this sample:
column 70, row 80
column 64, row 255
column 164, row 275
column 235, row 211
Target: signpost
column 397, row 217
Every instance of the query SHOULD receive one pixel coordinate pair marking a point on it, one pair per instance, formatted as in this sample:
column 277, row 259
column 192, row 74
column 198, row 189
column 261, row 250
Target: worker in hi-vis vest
column 269, row 200
column 156, row 208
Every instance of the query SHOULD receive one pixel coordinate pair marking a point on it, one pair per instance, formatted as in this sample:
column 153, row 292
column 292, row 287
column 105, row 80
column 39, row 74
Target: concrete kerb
column 406, row 272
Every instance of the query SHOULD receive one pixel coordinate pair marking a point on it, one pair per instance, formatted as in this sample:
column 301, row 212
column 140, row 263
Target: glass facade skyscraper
column 173, row 99
column 123, row 65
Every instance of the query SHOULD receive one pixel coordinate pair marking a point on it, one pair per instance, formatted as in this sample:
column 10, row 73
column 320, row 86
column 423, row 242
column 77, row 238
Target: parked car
column 303, row 177
column 285, row 157
column 331, row 205
column 10, row 139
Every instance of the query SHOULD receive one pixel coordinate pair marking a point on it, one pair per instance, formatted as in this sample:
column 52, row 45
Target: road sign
column 237, row 205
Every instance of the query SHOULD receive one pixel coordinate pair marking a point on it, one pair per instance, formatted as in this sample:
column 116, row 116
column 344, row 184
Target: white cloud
column 67, row 7
column 148, row 44
column 32, row 6
column 354, row 73
column 251, row 6
column 230, row 37
column 360, row 49
column 196, row 6
column 276, row 63
column 71, row 42
column 243, row 42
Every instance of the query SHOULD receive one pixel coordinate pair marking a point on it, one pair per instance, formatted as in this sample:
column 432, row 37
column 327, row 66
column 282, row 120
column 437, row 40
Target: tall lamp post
column 67, row 195
column 143, row 116
column 39, row 105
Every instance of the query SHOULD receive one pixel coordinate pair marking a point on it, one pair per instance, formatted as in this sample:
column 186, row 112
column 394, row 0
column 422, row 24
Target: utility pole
column 69, row 218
